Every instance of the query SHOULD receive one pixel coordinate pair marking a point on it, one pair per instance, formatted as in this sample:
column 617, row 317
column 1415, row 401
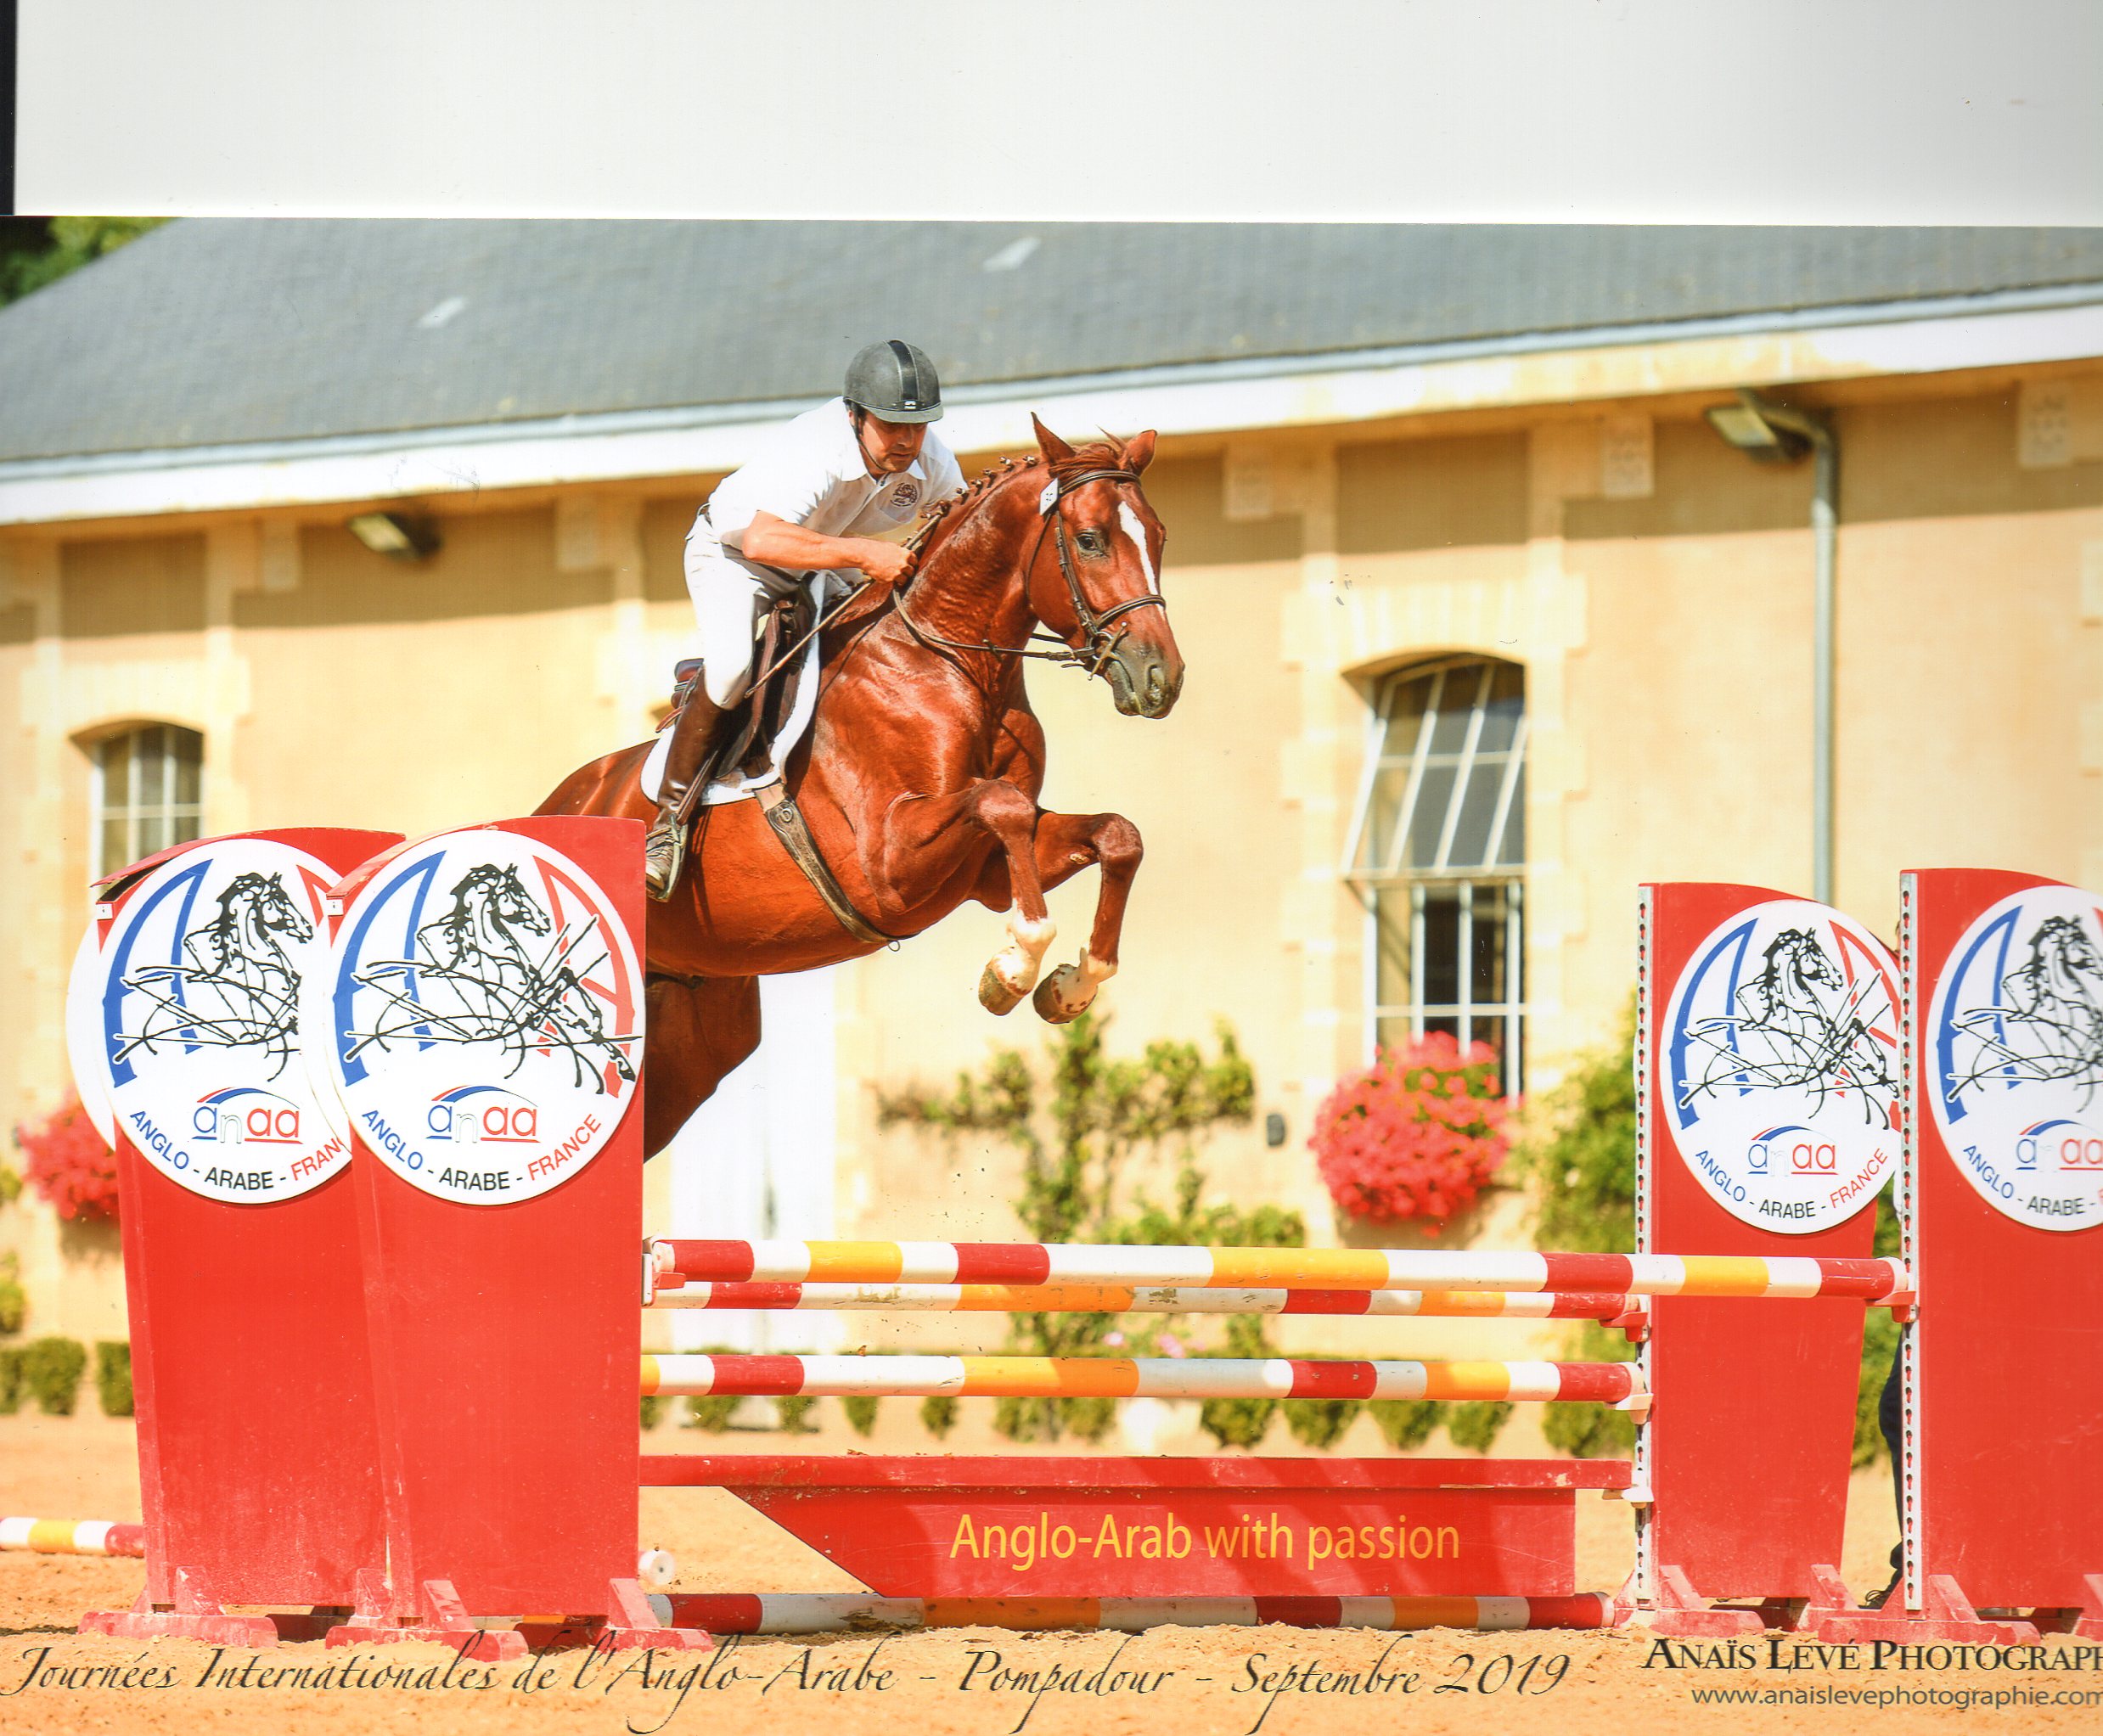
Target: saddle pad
column 737, row 787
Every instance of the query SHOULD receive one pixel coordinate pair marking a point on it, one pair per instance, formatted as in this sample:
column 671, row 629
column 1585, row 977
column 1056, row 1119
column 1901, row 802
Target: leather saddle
column 747, row 743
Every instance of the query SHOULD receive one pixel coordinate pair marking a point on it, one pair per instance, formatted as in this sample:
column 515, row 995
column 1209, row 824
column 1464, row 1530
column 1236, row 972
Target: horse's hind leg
column 700, row 1028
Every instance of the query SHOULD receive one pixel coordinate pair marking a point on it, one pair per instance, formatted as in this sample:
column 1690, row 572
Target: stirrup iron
column 664, row 854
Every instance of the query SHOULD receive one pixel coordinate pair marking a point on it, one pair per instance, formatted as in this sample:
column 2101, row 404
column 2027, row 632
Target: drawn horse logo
column 477, row 980
column 2049, row 1023
column 1799, row 1026
column 239, row 988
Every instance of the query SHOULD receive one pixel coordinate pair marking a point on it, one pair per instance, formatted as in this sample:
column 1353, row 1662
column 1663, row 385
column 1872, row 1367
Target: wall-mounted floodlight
column 397, row 537
column 1774, row 434
column 1760, row 430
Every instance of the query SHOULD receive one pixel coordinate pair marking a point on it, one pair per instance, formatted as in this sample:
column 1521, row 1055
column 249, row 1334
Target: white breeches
column 727, row 605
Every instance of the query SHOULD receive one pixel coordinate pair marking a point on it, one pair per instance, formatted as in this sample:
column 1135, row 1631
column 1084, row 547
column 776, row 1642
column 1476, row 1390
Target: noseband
column 1098, row 643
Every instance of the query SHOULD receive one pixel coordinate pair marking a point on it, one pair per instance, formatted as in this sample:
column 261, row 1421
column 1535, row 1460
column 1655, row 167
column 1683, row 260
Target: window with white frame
column 147, row 792
column 1437, row 855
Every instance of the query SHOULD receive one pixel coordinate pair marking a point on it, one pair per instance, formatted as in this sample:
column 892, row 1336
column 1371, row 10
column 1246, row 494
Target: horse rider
column 816, row 500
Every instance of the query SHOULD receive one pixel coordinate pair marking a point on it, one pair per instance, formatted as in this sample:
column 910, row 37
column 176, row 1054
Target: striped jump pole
column 68, row 1536
column 1039, row 1264
column 675, row 1292
column 858, row 1612
column 1123, row 1377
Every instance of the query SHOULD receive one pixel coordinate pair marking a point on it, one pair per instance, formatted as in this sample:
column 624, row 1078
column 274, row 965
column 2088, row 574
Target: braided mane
column 944, row 516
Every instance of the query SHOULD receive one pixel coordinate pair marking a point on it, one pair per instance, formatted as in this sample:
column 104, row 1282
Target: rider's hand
column 886, row 563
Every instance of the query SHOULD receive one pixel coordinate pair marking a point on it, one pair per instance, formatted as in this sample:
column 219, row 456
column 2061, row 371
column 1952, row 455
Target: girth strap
column 787, row 820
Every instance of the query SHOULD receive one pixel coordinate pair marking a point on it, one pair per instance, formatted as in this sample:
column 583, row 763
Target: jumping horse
column 918, row 778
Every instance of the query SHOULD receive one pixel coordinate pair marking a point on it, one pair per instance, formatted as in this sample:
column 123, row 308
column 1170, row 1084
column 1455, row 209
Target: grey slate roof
column 212, row 332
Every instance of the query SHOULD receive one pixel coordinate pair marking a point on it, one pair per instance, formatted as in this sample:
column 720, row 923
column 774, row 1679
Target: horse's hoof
column 995, row 996
column 1055, row 1001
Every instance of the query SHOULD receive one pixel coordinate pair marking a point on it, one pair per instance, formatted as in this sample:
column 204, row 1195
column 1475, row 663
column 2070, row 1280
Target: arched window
column 1437, row 854
column 147, row 791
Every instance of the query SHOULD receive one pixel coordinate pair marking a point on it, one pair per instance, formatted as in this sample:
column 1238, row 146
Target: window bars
column 1437, row 853
column 147, row 792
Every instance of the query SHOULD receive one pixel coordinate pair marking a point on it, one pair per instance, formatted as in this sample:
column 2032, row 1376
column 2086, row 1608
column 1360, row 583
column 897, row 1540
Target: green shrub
column 653, row 1409
column 1077, row 1122
column 1880, row 1344
column 10, row 1191
column 1240, row 1422
column 1474, row 1425
column 1320, row 1423
column 10, row 1378
column 1406, row 1421
column 712, row 1411
column 938, row 1415
column 113, row 1377
column 795, row 1409
column 35, row 252
column 861, row 1409
column 1029, row 1419
column 1578, row 1156
column 1593, row 1430
column 14, row 1298
column 1588, row 1430
column 1884, row 1244
column 50, row 1373
column 1089, row 1419
column 1237, row 1422
column 1025, row 1419
column 1580, row 1163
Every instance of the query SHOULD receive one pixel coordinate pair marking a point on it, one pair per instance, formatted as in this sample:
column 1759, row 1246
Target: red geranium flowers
column 1415, row 1136
column 69, row 1166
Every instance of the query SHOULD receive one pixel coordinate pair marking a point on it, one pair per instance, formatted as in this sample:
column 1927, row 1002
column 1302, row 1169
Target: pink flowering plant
column 69, row 1166
column 1415, row 1136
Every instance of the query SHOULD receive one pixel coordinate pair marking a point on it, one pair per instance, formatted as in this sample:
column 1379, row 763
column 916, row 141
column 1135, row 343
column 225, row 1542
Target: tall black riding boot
column 693, row 739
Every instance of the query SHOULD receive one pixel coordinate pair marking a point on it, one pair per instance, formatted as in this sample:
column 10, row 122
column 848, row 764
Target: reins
column 1098, row 643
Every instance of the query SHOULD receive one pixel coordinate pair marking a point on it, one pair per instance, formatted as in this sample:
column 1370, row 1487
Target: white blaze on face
column 1137, row 532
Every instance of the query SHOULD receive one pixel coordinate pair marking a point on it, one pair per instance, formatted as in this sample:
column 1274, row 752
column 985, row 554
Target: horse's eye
column 1091, row 542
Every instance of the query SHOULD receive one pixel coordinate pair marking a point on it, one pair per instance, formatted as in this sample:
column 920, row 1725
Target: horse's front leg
column 920, row 831
column 1066, row 844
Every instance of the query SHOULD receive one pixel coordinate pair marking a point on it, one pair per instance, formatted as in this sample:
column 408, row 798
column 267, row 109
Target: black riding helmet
column 895, row 381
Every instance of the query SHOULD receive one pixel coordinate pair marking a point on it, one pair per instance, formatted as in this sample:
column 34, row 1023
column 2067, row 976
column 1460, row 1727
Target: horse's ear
column 1139, row 452
column 1053, row 448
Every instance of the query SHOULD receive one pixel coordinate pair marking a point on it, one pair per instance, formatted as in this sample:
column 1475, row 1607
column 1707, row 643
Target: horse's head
column 267, row 905
column 1796, row 962
column 2059, row 953
column 495, row 895
column 1096, row 579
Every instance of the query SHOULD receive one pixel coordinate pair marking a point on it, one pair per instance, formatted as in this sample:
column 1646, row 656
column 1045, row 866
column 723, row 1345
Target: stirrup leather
column 664, row 854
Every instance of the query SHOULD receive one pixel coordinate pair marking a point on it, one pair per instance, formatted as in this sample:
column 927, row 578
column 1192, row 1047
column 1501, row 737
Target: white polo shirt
column 812, row 473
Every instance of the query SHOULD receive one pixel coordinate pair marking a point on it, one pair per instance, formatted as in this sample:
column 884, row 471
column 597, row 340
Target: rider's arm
column 773, row 541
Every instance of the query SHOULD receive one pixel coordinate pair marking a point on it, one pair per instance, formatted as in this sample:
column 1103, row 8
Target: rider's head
column 892, row 393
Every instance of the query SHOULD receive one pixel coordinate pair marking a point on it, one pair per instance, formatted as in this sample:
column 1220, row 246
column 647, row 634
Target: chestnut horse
column 919, row 778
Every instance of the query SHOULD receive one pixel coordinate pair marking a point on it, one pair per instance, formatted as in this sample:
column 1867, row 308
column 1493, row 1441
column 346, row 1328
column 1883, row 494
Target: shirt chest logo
column 904, row 493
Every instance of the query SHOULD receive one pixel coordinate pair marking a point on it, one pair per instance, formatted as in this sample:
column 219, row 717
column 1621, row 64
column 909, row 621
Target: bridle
column 1097, row 642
